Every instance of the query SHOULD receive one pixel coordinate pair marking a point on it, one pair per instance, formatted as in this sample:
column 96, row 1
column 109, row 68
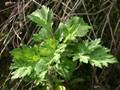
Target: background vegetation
column 103, row 15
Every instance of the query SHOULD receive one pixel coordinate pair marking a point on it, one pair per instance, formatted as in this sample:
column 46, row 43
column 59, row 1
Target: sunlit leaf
column 72, row 28
column 43, row 17
column 94, row 53
column 21, row 72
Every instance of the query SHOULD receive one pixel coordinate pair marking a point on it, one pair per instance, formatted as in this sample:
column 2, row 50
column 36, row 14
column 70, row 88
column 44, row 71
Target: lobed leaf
column 21, row 72
column 43, row 17
column 95, row 54
column 72, row 28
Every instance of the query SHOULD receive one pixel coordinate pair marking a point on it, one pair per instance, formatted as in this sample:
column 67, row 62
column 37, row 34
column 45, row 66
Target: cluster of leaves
column 57, row 54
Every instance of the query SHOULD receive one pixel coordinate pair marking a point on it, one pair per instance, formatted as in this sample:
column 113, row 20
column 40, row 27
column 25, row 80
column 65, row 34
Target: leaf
column 47, row 48
column 57, row 54
column 50, row 43
column 94, row 44
column 72, row 28
column 16, row 53
column 82, row 58
column 62, row 32
column 21, row 72
column 101, row 57
column 25, row 53
column 43, row 17
column 41, row 70
column 65, row 68
column 41, row 65
column 42, row 35
column 94, row 53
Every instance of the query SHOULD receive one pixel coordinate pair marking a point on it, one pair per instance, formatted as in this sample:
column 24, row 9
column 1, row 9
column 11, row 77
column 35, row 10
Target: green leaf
column 25, row 54
column 82, row 58
column 47, row 48
column 72, row 28
column 58, row 52
column 42, row 35
column 62, row 32
column 43, row 17
column 50, row 43
column 21, row 72
column 17, row 54
column 41, row 65
column 101, row 57
column 41, row 70
column 94, row 53
column 65, row 68
column 94, row 44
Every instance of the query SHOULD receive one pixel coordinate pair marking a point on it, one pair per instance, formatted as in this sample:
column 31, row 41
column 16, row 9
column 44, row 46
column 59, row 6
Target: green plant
column 55, row 57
